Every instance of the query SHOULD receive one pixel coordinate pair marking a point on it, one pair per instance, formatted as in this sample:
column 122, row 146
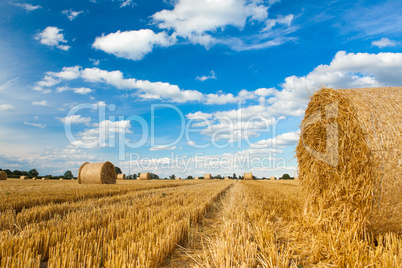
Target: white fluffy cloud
column 40, row 103
column 101, row 133
column 35, row 125
column 71, row 14
column 75, row 119
column 192, row 19
column 6, row 107
column 133, row 45
column 162, row 148
column 206, row 77
column 347, row 70
column 52, row 36
column 27, row 7
column 384, row 42
column 79, row 90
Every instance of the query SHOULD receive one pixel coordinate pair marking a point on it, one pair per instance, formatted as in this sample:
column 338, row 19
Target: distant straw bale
column 3, row 175
column 23, row 177
column 207, row 176
column 272, row 178
column 226, row 178
column 248, row 176
column 97, row 173
column 349, row 156
column 121, row 176
column 196, row 178
column 145, row 176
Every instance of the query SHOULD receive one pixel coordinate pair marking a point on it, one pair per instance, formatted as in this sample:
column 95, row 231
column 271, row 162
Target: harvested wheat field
column 155, row 223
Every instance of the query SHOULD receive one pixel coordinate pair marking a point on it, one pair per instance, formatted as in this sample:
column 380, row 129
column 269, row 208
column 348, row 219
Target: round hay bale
column 34, row 178
column 121, row 176
column 144, row 176
column 248, row 176
column 44, row 179
column 61, row 179
column 207, row 177
column 23, row 177
column 226, row 178
column 178, row 178
column 97, row 173
column 272, row 178
column 349, row 157
column 3, row 175
column 196, row 178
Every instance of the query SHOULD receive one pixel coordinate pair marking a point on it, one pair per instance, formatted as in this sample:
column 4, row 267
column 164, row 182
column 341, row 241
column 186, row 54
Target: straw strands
column 3, row 175
column 349, row 157
column 97, row 173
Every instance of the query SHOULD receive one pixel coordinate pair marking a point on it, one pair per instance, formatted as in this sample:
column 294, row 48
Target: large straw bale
column 97, row 173
column 34, row 178
column 3, row 175
column 178, row 178
column 226, row 178
column 23, row 177
column 207, row 176
column 349, row 156
column 272, row 178
column 145, row 176
column 121, row 176
column 44, row 179
column 196, row 178
column 248, row 176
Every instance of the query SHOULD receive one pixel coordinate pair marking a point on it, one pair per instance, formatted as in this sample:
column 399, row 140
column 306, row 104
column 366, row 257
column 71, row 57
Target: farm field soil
column 175, row 224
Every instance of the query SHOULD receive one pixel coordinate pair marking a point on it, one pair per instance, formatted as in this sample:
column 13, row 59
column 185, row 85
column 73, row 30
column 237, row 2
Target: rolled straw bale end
column 248, row 176
column 272, row 178
column 196, row 178
column 121, row 176
column 97, row 173
column 144, row 176
column 3, row 175
column 45, row 179
column 34, row 178
column 207, row 177
column 23, row 177
column 348, row 155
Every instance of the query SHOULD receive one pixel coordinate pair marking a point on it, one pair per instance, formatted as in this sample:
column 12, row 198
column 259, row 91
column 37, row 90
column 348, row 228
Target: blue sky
column 225, row 83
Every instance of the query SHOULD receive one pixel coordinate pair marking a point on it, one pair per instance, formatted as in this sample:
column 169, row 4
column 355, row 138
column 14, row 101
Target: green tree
column 17, row 172
column 172, row 177
column 68, row 174
column 286, row 177
column 33, row 173
column 190, row 178
column 118, row 170
column 134, row 176
column 154, row 176
column 234, row 176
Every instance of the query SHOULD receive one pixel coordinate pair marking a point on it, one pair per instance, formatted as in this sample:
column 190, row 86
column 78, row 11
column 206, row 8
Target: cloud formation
column 52, row 37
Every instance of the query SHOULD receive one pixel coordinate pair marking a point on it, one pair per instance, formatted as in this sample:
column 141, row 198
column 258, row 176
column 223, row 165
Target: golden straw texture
column 144, row 176
column 3, row 176
column 207, row 176
column 248, row 176
column 121, row 176
column 97, row 173
column 349, row 156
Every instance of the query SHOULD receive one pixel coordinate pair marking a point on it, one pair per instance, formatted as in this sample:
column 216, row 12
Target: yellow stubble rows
column 132, row 228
